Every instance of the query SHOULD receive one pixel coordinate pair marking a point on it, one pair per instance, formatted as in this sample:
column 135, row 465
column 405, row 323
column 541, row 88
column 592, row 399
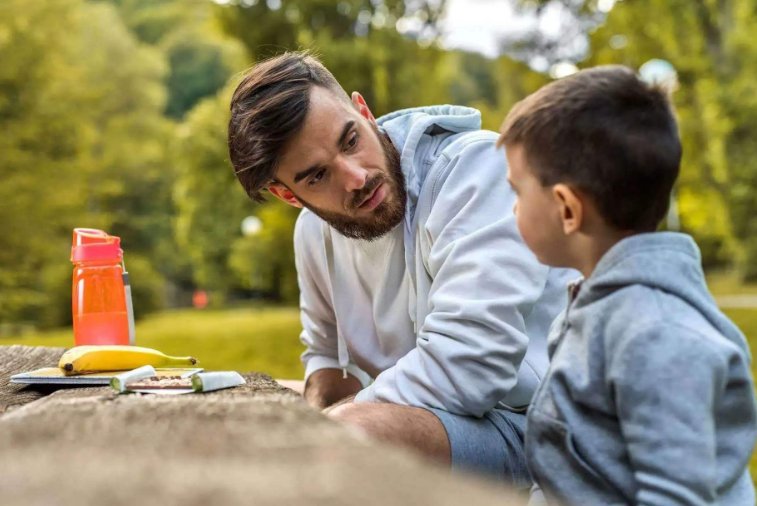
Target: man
column 424, row 314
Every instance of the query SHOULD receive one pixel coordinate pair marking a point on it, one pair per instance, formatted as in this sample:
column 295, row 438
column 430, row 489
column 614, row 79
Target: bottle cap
column 92, row 244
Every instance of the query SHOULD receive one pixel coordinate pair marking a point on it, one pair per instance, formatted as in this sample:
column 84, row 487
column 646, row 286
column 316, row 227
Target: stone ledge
column 258, row 444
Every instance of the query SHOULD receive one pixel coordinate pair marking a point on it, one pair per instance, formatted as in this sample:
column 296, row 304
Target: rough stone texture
column 257, row 444
column 16, row 359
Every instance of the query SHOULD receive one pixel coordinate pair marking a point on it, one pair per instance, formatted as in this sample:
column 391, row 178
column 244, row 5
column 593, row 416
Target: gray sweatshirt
column 649, row 397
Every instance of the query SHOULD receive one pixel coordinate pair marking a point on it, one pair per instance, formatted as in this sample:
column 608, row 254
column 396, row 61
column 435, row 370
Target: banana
column 84, row 359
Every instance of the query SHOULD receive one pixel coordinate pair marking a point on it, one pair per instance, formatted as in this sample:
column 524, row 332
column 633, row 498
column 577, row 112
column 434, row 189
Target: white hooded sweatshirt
column 450, row 309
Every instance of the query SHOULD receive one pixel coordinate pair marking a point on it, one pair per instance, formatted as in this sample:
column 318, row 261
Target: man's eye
column 317, row 177
column 352, row 142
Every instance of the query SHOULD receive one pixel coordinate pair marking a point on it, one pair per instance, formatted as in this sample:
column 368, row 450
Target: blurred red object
column 200, row 299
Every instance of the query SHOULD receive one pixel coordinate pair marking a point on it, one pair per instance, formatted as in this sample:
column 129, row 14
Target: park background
column 113, row 115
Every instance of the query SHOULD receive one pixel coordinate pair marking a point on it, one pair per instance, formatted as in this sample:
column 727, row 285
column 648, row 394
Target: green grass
column 728, row 283
column 245, row 339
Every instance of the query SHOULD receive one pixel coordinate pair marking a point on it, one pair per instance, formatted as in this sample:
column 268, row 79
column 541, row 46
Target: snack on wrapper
column 145, row 381
column 119, row 382
column 209, row 381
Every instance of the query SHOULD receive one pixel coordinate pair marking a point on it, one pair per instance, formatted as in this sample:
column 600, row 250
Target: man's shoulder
column 470, row 159
column 458, row 143
column 308, row 227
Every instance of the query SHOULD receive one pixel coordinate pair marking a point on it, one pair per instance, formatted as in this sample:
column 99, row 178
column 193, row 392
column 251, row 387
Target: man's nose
column 354, row 176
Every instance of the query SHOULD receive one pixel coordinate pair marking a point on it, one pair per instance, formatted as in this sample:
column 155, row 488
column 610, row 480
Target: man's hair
column 607, row 133
column 268, row 108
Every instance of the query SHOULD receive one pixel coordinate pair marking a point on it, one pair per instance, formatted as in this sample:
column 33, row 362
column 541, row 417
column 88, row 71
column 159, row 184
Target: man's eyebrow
column 313, row 168
column 305, row 173
column 345, row 131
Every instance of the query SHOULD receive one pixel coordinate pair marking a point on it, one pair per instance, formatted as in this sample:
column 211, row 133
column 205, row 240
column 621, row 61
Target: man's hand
column 326, row 387
column 333, row 408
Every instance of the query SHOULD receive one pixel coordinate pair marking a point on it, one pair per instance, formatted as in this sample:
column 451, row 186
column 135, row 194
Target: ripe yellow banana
column 83, row 359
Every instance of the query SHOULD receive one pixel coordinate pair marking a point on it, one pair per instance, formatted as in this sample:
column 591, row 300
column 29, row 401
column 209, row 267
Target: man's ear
column 362, row 107
column 284, row 194
column 571, row 208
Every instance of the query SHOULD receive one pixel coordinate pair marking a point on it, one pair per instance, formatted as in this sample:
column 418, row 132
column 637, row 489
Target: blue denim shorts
column 491, row 445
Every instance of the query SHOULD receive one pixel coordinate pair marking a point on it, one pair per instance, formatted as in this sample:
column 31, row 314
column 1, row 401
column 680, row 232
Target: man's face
column 340, row 167
column 536, row 209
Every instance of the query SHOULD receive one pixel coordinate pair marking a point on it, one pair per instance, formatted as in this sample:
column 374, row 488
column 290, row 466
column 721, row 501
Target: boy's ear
column 362, row 107
column 284, row 194
column 571, row 208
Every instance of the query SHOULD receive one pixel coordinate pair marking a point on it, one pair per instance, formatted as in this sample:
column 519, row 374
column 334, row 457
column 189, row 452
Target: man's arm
column 324, row 377
column 326, row 387
column 484, row 280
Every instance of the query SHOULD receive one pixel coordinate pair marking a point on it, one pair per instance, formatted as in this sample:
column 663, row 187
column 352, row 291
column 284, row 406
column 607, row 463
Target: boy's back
column 649, row 397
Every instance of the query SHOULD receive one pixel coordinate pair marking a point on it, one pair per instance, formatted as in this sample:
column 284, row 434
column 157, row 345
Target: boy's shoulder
column 651, row 287
column 640, row 316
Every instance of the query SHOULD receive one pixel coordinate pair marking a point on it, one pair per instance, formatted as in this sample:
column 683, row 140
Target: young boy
column 648, row 399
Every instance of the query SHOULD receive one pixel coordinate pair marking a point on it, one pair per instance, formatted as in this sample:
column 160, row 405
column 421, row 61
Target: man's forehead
column 324, row 121
column 324, row 124
column 326, row 115
column 323, row 101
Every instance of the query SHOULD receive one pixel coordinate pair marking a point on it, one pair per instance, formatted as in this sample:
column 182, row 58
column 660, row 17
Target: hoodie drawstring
column 343, row 353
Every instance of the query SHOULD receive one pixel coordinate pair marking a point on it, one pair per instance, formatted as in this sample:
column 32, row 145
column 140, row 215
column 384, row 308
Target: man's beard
column 386, row 215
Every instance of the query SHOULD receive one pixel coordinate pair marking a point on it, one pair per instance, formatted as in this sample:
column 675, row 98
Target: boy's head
column 598, row 149
column 295, row 133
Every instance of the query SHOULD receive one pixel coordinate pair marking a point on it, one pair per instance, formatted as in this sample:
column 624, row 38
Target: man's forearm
column 328, row 386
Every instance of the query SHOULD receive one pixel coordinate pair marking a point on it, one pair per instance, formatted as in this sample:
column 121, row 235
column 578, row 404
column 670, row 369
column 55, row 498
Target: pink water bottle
column 101, row 298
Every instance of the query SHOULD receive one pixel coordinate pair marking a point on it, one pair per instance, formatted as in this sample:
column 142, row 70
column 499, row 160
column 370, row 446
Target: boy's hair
column 610, row 135
column 268, row 108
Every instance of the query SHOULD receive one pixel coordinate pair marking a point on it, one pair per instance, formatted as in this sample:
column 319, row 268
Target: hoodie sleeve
column 668, row 382
column 484, row 282
column 319, row 330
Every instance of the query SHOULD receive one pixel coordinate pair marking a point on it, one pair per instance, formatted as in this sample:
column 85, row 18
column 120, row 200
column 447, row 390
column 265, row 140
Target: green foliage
column 199, row 59
column 197, row 70
column 209, row 200
column 114, row 114
column 265, row 261
column 79, row 108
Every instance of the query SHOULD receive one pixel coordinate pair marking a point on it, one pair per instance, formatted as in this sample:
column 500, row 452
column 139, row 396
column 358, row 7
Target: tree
column 72, row 110
column 209, row 201
column 200, row 59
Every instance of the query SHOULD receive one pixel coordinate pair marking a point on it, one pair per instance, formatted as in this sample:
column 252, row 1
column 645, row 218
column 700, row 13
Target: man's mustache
column 360, row 195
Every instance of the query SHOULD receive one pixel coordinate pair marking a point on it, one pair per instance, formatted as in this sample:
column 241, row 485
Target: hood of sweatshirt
column 666, row 261
column 406, row 129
